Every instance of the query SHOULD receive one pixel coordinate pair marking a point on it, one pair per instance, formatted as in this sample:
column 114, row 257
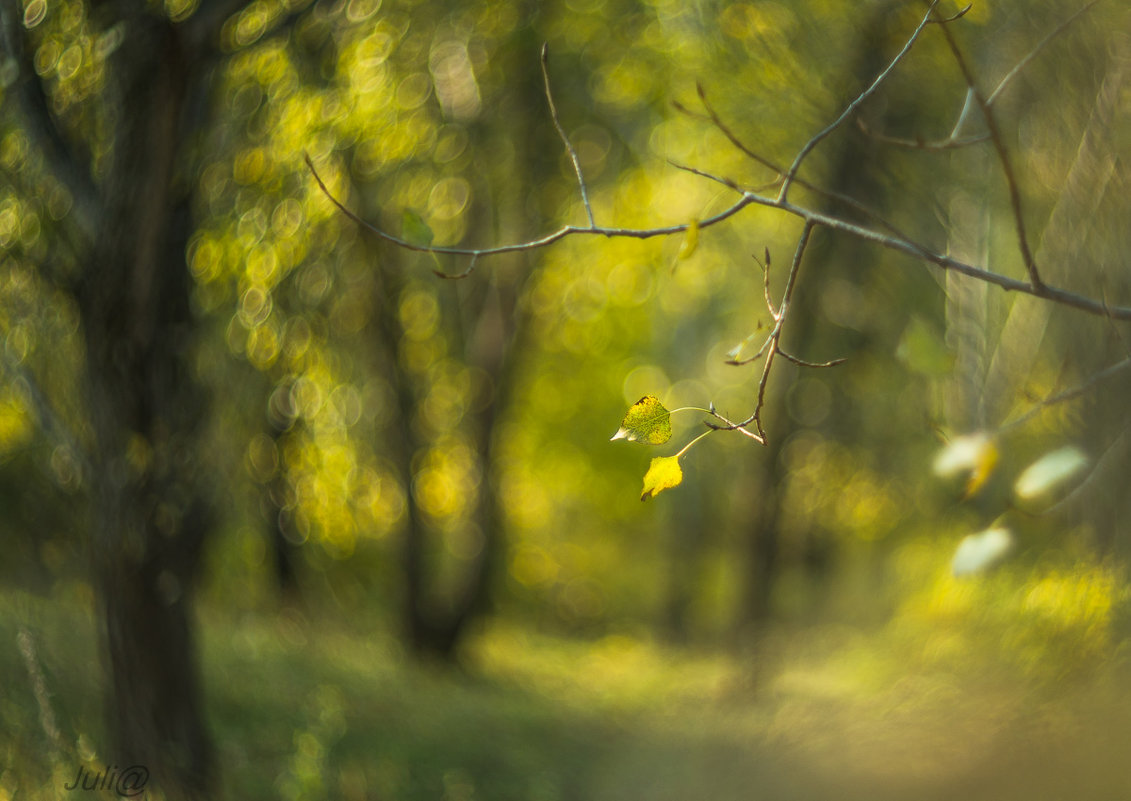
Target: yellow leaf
column 983, row 469
column 647, row 421
column 663, row 473
column 690, row 240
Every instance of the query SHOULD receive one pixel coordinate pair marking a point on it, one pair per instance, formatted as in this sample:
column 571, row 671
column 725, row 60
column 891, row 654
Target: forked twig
column 994, row 133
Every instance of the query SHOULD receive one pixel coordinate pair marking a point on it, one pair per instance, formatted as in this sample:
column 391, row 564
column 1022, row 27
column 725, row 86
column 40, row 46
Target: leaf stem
column 687, row 447
column 691, row 409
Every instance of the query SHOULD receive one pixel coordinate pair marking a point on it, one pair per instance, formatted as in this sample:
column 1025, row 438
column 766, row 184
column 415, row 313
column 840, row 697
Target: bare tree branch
column 534, row 244
column 902, row 245
column 922, row 252
column 846, row 200
column 803, row 363
column 953, row 142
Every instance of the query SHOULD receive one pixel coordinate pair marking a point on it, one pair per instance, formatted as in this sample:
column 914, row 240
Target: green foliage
column 303, row 706
column 647, row 421
column 415, row 230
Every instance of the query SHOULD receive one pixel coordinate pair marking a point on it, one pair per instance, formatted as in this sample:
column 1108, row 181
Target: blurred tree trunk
column 131, row 227
column 436, row 617
column 687, row 531
column 850, row 173
column 485, row 328
column 277, row 505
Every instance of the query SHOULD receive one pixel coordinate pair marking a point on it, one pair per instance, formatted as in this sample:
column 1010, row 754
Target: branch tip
column 959, row 15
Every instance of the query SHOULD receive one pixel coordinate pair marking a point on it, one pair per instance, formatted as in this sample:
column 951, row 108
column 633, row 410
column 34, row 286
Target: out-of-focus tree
column 107, row 104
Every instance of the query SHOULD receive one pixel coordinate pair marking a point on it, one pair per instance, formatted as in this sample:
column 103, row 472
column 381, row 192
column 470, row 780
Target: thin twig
column 956, row 16
column 766, row 283
column 457, row 276
column 561, row 132
column 804, row 363
column 950, row 143
column 855, row 104
column 1020, row 65
column 726, row 424
column 737, row 362
column 953, row 142
column 771, row 346
column 1070, row 394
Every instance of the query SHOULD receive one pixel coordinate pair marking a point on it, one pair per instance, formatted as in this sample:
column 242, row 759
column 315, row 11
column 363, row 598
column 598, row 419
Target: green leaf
column 647, row 421
column 1049, row 472
column 663, row 473
column 415, row 230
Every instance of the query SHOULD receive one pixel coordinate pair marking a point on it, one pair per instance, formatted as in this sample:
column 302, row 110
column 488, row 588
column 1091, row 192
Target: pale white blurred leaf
column 1050, row 471
column 962, row 454
column 979, row 552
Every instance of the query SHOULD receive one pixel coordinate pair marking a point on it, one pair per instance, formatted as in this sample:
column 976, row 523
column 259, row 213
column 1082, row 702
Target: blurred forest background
column 286, row 515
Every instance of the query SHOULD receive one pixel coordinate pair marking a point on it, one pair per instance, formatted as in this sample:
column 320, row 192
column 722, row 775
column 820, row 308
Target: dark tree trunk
column 436, row 618
column 150, row 521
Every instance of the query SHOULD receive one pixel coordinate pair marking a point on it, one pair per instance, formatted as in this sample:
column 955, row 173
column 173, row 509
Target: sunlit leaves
column 979, row 552
column 647, row 421
column 663, row 473
column 1049, row 473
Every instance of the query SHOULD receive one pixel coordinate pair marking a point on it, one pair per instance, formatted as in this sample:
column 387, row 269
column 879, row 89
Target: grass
column 311, row 708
